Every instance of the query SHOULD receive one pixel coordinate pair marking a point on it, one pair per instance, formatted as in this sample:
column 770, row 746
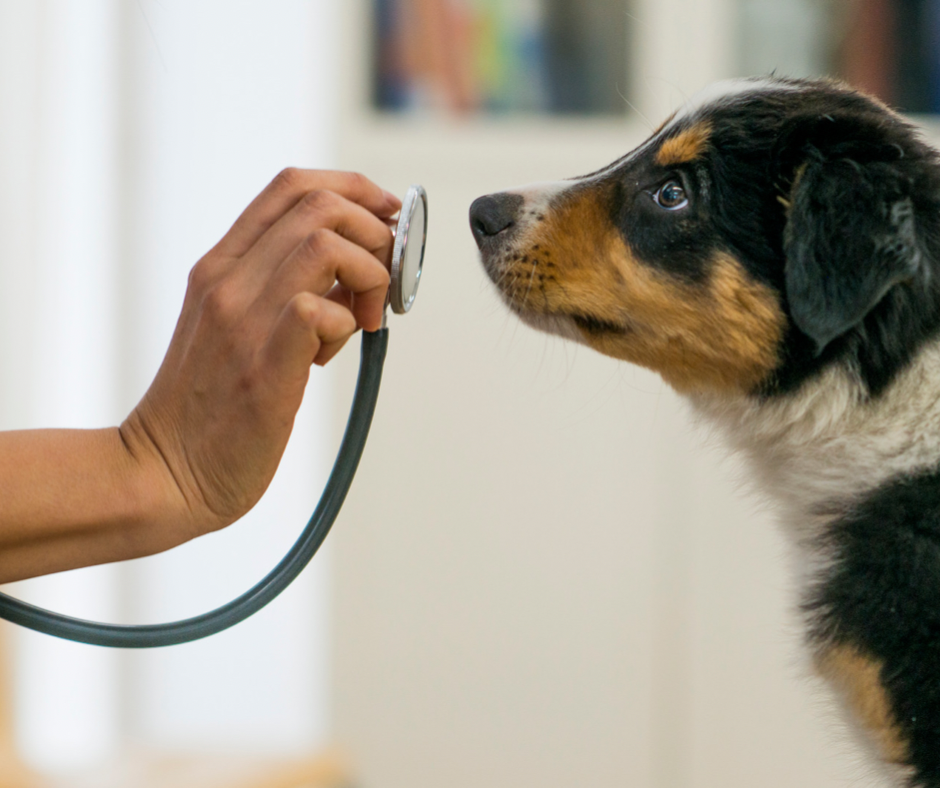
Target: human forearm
column 73, row 498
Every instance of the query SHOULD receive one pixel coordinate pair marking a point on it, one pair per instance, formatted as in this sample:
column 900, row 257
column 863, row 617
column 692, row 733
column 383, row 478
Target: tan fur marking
column 722, row 334
column 685, row 147
column 857, row 678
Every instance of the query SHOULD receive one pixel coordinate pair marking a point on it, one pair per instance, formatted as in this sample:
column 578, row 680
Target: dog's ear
column 850, row 235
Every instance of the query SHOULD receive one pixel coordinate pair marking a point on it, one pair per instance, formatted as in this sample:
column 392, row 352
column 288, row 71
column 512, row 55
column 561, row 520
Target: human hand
column 299, row 272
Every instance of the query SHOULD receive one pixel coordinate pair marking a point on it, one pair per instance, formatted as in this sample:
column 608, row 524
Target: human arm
column 303, row 268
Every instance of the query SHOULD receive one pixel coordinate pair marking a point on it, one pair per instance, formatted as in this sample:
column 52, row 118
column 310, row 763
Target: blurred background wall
column 132, row 135
column 544, row 575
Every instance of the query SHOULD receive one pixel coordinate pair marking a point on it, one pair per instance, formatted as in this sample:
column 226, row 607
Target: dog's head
column 770, row 228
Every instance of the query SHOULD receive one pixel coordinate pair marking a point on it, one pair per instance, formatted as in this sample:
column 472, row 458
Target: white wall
column 59, row 338
column 133, row 134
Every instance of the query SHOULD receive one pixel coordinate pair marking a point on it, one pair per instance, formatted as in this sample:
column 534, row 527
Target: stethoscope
column 408, row 255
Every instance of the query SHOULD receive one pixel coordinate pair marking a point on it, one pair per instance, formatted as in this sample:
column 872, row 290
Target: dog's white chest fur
column 814, row 452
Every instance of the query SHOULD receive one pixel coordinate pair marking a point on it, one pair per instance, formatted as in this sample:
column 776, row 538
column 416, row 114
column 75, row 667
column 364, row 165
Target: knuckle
column 317, row 243
column 201, row 276
column 287, row 180
column 219, row 304
column 318, row 201
column 305, row 309
column 358, row 181
column 362, row 187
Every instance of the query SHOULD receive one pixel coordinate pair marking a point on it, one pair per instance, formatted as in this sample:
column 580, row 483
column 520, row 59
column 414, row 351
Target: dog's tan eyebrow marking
column 858, row 678
column 686, row 146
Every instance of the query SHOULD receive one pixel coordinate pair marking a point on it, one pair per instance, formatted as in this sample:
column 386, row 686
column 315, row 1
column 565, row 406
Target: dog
column 772, row 250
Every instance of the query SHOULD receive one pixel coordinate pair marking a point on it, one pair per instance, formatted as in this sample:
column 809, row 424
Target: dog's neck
column 815, row 450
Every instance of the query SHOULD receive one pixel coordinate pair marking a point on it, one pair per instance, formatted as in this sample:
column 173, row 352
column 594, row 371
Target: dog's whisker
column 633, row 107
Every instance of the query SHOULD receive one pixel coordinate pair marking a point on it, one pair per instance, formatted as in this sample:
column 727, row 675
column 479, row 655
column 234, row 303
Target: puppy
column 772, row 250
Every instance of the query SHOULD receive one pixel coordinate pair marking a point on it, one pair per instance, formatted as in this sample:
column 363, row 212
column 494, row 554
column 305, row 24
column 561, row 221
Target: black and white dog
column 773, row 252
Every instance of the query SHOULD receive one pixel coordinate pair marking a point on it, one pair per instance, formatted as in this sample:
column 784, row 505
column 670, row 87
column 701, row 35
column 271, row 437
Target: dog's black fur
column 882, row 596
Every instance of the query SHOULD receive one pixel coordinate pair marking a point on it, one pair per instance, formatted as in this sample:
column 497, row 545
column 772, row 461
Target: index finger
column 287, row 188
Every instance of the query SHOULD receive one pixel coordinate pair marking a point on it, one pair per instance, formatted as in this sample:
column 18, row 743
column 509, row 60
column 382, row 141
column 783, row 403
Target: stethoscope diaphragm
column 408, row 250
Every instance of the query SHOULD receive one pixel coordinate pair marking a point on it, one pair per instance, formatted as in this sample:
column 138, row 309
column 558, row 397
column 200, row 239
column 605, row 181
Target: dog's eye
column 671, row 196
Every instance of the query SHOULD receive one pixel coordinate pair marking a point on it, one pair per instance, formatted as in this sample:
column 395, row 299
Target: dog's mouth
column 588, row 325
column 597, row 326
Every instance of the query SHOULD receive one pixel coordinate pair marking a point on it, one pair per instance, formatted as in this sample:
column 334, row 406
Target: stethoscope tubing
column 372, row 356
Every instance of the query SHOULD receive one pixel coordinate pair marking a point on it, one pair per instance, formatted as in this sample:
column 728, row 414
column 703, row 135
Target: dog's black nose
column 493, row 214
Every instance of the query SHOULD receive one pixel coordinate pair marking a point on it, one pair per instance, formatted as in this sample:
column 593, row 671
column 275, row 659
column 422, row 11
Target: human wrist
column 74, row 498
column 159, row 514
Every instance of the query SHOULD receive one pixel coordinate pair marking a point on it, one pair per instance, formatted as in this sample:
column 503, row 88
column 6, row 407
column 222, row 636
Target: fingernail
column 391, row 198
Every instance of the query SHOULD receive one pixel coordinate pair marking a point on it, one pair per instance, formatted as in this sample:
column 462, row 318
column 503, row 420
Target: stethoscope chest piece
column 408, row 250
